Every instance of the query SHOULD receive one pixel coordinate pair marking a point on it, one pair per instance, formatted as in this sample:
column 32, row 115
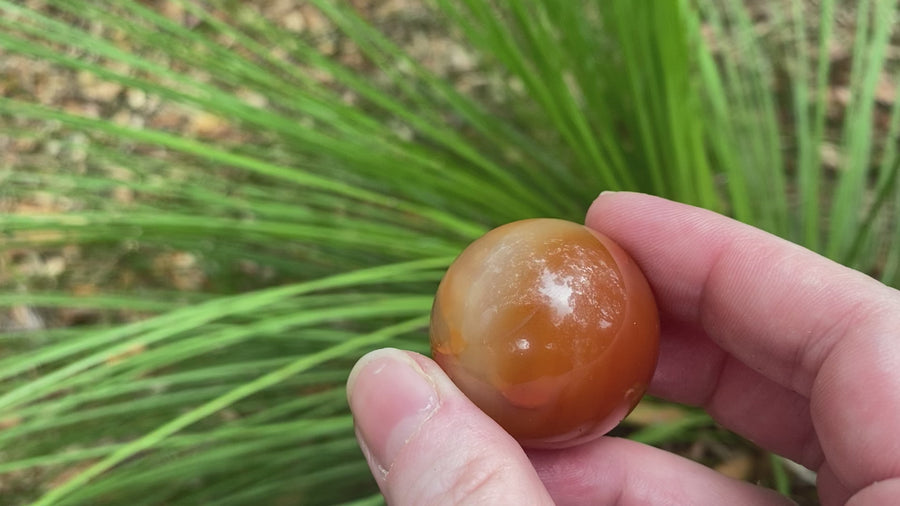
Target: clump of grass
column 322, row 214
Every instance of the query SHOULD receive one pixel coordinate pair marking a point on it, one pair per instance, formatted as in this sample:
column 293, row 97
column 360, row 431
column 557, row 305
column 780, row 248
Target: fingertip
column 597, row 207
column 606, row 194
column 391, row 397
column 358, row 367
column 426, row 443
column 609, row 201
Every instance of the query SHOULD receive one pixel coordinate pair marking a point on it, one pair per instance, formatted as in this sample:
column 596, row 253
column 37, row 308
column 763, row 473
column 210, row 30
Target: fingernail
column 390, row 397
column 606, row 192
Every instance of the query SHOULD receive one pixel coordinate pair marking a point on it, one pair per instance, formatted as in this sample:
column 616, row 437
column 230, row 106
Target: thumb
column 426, row 443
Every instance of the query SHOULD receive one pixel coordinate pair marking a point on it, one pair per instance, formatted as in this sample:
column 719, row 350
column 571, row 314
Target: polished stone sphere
column 550, row 328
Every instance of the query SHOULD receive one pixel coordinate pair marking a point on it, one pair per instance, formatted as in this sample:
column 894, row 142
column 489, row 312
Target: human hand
column 788, row 349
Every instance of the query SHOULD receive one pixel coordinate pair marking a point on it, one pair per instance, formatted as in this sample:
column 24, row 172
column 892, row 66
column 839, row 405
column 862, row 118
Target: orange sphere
column 550, row 328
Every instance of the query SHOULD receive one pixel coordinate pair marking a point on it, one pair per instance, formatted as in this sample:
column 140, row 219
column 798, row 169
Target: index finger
column 805, row 323
column 773, row 304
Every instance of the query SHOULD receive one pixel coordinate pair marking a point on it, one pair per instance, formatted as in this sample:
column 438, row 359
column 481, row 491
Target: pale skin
column 788, row 349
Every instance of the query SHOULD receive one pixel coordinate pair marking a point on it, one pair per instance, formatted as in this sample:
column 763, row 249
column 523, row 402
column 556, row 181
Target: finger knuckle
column 477, row 480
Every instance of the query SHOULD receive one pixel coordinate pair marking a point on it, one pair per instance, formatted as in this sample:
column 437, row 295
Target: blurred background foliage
column 211, row 208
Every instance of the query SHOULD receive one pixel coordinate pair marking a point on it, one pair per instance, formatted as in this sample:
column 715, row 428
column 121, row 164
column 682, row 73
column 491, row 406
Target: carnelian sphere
column 550, row 328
